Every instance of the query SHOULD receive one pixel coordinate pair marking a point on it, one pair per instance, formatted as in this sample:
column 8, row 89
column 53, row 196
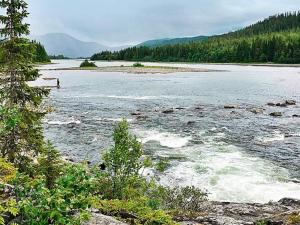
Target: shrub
column 138, row 65
column 137, row 211
column 123, row 160
column 162, row 165
column 7, row 171
column 183, row 198
column 50, row 165
column 86, row 63
column 8, row 205
column 294, row 219
column 66, row 203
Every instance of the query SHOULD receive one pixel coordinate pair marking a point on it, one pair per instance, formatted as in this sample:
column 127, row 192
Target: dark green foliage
column 40, row 55
column 276, row 39
column 50, row 165
column 106, row 55
column 24, row 140
column 138, row 64
column 58, row 57
column 86, row 63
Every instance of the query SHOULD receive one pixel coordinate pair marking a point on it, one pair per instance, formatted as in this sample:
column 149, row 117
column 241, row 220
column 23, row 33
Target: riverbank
column 141, row 70
column 284, row 212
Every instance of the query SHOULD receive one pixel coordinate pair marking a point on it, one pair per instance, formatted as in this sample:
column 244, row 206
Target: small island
column 87, row 64
column 138, row 68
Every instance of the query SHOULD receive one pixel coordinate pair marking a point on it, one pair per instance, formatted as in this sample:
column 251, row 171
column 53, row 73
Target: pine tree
column 24, row 140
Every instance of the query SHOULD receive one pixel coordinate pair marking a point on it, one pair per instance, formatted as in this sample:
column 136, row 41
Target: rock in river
column 168, row 111
column 281, row 104
column 290, row 102
column 276, row 114
column 230, row 107
column 257, row 110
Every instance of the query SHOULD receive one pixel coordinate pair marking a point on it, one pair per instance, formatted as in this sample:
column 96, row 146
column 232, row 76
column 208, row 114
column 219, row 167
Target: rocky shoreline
column 284, row 212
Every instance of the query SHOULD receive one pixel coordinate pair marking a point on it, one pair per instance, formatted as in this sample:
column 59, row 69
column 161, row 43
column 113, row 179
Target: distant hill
column 171, row 41
column 68, row 46
column 275, row 39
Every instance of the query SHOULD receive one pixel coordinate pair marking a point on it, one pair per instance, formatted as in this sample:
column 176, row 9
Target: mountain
column 64, row 44
column 171, row 41
column 275, row 39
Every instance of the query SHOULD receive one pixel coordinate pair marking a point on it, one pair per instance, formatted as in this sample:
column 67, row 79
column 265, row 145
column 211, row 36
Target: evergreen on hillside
column 276, row 39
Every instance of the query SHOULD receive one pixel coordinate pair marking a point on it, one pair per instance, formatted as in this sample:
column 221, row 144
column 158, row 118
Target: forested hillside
column 276, row 39
column 171, row 41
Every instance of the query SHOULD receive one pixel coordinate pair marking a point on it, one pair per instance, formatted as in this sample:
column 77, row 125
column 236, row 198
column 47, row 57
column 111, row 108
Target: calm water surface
column 234, row 154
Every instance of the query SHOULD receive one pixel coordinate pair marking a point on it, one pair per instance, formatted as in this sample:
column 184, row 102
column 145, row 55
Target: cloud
column 117, row 22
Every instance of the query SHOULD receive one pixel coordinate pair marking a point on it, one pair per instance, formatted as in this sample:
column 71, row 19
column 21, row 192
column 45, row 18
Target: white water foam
column 275, row 136
column 58, row 123
column 114, row 119
column 229, row 174
column 165, row 139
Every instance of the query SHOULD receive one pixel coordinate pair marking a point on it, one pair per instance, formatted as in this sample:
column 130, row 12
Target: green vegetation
column 294, row 219
column 138, row 65
column 58, row 57
column 162, row 165
column 276, row 39
column 86, row 63
column 171, row 41
column 40, row 54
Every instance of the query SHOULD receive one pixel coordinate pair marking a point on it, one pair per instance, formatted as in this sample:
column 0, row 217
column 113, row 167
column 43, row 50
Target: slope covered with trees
column 276, row 39
column 171, row 41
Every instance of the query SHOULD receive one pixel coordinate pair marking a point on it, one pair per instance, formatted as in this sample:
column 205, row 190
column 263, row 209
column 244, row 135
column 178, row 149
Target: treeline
column 40, row 53
column 277, row 40
column 277, row 23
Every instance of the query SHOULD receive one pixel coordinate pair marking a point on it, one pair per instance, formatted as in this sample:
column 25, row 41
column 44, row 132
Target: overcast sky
column 119, row 22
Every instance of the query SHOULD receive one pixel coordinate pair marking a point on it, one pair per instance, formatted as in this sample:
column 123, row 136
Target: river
column 234, row 154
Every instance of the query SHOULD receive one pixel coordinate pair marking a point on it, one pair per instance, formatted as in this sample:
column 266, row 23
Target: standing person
column 57, row 83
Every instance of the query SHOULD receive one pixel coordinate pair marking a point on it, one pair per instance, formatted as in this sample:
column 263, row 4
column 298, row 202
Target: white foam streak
column 165, row 139
column 72, row 121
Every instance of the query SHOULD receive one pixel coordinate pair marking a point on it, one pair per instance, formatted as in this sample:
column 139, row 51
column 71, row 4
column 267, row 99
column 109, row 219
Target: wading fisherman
column 57, row 83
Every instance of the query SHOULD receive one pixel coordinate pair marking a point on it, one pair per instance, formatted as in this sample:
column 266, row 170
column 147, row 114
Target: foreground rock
column 222, row 213
column 225, row 213
column 99, row 219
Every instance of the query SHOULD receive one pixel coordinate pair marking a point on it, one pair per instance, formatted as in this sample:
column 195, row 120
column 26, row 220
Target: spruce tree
column 24, row 140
